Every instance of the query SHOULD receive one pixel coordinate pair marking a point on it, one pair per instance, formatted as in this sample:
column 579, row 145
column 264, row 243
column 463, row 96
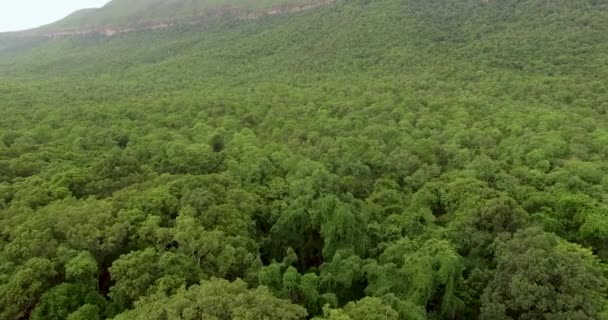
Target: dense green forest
column 369, row 159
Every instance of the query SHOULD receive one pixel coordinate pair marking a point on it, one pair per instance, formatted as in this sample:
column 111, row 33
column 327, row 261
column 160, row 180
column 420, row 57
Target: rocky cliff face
column 235, row 12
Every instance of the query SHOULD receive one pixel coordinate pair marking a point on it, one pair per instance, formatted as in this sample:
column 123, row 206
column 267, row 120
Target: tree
column 286, row 282
column 141, row 272
column 365, row 309
column 215, row 299
column 86, row 312
column 540, row 276
column 427, row 275
column 19, row 296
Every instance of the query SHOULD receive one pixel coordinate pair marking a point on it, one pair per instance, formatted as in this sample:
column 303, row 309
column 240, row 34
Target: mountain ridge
column 241, row 12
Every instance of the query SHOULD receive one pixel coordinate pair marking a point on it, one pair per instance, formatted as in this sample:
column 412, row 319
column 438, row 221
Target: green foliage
column 25, row 287
column 215, row 299
column 428, row 275
column 363, row 160
column 540, row 275
column 366, row 308
column 81, row 267
column 86, row 312
column 62, row 300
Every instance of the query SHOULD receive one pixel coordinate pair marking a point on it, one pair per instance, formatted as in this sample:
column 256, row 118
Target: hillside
column 387, row 159
column 120, row 16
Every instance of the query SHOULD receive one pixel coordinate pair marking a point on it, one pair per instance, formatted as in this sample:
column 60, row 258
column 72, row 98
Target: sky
column 25, row 14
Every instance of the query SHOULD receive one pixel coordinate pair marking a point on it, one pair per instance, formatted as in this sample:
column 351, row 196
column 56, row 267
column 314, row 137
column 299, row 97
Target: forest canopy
column 374, row 159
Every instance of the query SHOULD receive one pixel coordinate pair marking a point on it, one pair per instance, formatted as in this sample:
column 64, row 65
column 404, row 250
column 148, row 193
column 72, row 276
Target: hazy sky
column 25, row 14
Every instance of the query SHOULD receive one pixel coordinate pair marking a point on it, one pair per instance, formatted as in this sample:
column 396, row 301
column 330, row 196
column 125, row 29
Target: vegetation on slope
column 123, row 13
column 390, row 159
